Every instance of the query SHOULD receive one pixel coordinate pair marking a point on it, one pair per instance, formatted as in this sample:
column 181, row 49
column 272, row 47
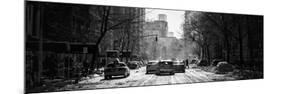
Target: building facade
column 57, row 33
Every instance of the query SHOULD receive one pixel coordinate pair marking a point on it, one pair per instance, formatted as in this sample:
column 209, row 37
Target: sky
column 174, row 19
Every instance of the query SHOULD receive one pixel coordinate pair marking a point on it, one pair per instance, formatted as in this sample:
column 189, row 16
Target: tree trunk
column 240, row 45
column 103, row 31
column 208, row 54
column 226, row 38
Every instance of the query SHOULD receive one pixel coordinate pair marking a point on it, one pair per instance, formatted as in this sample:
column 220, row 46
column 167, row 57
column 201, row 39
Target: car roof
column 118, row 62
column 134, row 61
column 178, row 61
column 153, row 61
column 166, row 60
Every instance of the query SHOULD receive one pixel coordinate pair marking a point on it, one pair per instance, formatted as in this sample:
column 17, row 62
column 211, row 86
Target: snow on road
column 139, row 78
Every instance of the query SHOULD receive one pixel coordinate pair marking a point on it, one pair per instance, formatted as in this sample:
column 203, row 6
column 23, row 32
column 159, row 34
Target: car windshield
column 166, row 63
column 111, row 65
column 178, row 63
column 152, row 63
column 133, row 62
column 121, row 65
column 116, row 65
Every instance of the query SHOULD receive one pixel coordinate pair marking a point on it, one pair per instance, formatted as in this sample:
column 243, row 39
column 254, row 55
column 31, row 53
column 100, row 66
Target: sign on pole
column 115, row 45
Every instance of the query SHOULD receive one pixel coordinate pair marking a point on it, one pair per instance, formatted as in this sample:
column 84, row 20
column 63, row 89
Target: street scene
column 85, row 47
column 139, row 78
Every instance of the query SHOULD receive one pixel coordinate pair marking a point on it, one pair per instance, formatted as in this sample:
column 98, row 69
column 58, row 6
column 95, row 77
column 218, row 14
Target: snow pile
column 216, row 61
column 203, row 63
column 224, row 67
column 193, row 61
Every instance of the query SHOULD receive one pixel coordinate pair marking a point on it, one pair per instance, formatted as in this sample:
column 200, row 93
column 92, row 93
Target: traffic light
column 156, row 38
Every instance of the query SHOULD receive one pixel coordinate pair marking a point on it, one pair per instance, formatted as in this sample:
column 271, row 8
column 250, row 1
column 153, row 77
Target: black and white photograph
column 72, row 46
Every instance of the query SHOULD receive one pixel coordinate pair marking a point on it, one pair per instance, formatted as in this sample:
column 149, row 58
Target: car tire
column 157, row 73
column 106, row 77
column 146, row 72
column 126, row 75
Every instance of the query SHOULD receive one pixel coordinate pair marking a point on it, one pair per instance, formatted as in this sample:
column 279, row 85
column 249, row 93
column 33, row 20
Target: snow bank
column 224, row 67
column 203, row 63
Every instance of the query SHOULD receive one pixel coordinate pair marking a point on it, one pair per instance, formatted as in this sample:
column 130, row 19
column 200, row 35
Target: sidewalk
column 51, row 85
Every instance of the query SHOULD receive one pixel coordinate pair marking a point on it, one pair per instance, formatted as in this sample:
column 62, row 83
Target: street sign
column 112, row 53
column 126, row 54
column 115, row 45
column 82, row 48
column 85, row 50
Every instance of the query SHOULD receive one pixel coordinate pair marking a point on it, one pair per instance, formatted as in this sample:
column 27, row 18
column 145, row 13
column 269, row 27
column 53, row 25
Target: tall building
column 162, row 17
column 159, row 27
column 170, row 34
column 52, row 28
column 166, row 46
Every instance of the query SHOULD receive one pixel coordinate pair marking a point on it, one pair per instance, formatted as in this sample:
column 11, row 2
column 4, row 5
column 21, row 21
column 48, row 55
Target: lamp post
column 155, row 48
column 155, row 44
column 152, row 35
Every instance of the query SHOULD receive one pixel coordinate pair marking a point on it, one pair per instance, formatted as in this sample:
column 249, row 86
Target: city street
column 84, row 47
column 139, row 78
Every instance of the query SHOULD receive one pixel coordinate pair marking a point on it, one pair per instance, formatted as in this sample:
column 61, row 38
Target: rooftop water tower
column 162, row 17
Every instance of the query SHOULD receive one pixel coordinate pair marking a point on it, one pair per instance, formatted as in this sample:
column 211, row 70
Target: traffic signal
column 156, row 38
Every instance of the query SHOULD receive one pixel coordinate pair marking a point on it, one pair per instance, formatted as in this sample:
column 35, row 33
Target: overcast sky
column 174, row 19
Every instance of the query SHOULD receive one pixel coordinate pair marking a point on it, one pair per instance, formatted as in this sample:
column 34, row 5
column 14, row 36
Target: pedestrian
column 186, row 63
column 116, row 61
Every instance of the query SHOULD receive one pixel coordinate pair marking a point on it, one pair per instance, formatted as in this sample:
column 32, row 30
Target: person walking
column 186, row 63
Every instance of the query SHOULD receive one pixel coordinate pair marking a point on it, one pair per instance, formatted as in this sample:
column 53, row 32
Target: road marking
column 203, row 75
column 185, row 77
column 152, row 81
column 141, row 81
column 142, row 84
column 182, row 79
column 173, row 80
column 197, row 76
column 170, row 79
column 191, row 77
column 163, row 80
column 176, row 80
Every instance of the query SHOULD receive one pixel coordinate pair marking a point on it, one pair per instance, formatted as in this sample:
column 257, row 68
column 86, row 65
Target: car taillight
column 108, row 70
column 121, row 69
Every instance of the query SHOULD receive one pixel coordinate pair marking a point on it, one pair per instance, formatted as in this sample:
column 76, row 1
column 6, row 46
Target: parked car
column 133, row 64
column 165, row 66
column 216, row 61
column 203, row 63
column 179, row 66
column 193, row 61
column 116, row 69
column 151, row 66
column 143, row 63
